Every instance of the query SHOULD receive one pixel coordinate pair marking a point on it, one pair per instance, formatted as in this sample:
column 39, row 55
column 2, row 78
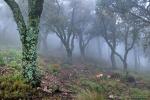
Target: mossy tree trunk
column 29, row 37
column 29, row 60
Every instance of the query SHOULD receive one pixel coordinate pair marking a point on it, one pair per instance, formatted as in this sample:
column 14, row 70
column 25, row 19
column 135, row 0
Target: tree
column 114, row 20
column 50, row 11
column 68, row 22
column 62, row 24
column 130, row 13
column 142, row 12
column 106, row 26
column 136, row 57
column 139, row 9
column 29, row 37
column 83, row 24
column 129, row 34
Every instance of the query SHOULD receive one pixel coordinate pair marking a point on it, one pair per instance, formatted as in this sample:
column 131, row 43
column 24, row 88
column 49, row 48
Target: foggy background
column 97, row 48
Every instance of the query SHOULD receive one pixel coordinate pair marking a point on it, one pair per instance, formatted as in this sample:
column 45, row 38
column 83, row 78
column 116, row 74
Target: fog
column 8, row 28
column 97, row 48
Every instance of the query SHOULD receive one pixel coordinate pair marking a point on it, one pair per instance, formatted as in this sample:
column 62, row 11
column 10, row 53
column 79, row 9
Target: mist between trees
column 114, row 31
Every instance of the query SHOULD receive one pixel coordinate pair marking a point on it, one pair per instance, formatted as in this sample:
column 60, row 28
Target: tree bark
column 135, row 59
column 125, row 66
column 113, row 61
column 82, row 50
column 30, row 71
column 69, row 55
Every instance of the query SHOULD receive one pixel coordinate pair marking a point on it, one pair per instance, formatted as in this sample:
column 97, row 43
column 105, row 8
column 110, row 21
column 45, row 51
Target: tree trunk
column 29, row 37
column 82, row 51
column 68, row 50
column 125, row 66
column 69, row 56
column 82, row 47
column 139, row 61
column 29, row 51
column 135, row 59
column 113, row 60
column 29, row 63
column 45, row 45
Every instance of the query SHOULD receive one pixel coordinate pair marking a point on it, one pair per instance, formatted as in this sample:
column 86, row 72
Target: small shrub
column 137, row 93
column 2, row 63
column 13, row 87
column 10, row 57
column 130, row 79
column 15, row 65
column 66, row 66
column 114, row 87
column 92, row 86
column 54, row 68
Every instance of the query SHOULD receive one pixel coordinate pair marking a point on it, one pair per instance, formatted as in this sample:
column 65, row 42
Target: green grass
column 89, row 95
column 11, row 58
column 14, row 86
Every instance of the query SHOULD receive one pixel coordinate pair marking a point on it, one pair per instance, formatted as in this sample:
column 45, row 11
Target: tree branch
column 35, row 8
column 140, row 17
column 17, row 17
column 109, row 44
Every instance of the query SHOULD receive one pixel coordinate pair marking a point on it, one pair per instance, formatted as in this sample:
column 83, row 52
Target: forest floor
column 80, row 80
column 77, row 81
